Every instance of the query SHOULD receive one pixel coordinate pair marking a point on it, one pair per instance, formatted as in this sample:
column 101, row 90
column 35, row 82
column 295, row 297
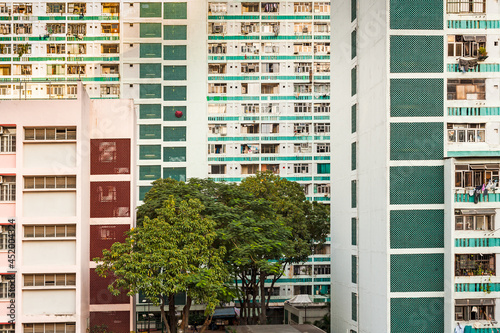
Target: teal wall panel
column 417, row 315
column 175, row 173
column 416, row 185
column 150, row 50
column 417, row 97
column 150, row 91
column 174, row 72
column 417, row 272
column 150, row 152
column 150, row 71
column 149, row 172
column 169, row 113
column 174, row 154
column 150, row 30
column 151, row 132
column 174, row 93
column 150, row 111
column 174, row 52
column 143, row 190
column 417, row 54
column 417, row 141
column 411, row 229
column 174, row 133
column 150, row 9
column 175, row 32
column 175, row 10
column 417, row 14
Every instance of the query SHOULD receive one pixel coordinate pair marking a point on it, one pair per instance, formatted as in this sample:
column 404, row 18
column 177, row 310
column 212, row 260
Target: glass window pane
column 469, row 222
column 459, row 223
column 50, row 280
column 71, row 182
column 39, row 182
column 29, row 182
column 480, row 223
column 61, row 279
column 50, row 231
column 60, row 182
column 50, row 182
column 39, row 231
column 50, row 133
column 39, row 280
column 28, row 280
column 29, row 231
column 60, row 231
column 70, row 279
column 71, row 230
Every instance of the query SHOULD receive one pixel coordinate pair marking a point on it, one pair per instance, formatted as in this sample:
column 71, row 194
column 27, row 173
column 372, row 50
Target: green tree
column 171, row 253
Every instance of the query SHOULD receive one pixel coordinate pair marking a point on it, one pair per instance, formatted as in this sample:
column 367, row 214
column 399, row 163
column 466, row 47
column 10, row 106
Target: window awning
column 478, row 211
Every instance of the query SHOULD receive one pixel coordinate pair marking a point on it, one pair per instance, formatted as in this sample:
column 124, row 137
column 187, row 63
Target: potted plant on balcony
column 482, row 54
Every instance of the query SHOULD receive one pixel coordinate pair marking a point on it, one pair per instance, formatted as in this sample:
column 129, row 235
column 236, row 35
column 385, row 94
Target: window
column 466, row 132
column 474, row 264
column 322, row 7
column 4, row 9
column 7, row 328
column 76, row 69
column 4, row 292
column 216, row 28
column 217, row 68
column 249, row 128
column 216, row 108
column 474, row 309
column 301, row 168
column 47, row 231
column 49, row 133
column 270, row 148
column 250, row 108
column 217, row 88
column 4, row 236
column 304, row 148
column 301, row 88
column 110, row 69
column 55, row 8
column 109, row 48
column 77, row 49
column 302, row 270
column 110, row 8
column 56, row 28
column 219, row 169
column 50, row 328
column 250, row 148
column 466, row 89
column 110, row 90
column 270, row 28
column 22, row 69
column 49, row 280
column 7, row 139
column 302, row 67
column 323, row 188
column 302, row 107
column 249, row 7
column 250, row 67
column 302, row 7
column 8, row 188
column 55, row 70
column 465, row 45
column 49, row 182
column 250, row 48
column 322, row 48
column 301, row 128
column 465, row 6
column 274, row 291
column 56, row 48
column 5, row 90
column 5, row 48
column 270, row 7
column 321, row 269
column 249, row 169
column 472, row 175
column 217, row 48
column 5, row 29
column 216, row 149
column 77, row 8
column 24, row 8
column 217, row 129
column 77, row 29
column 270, row 108
column 322, row 67
column 217, row 8
column 23, row 28
column 323, row 148
column 467, row 220
column 270, row 128
column 270, row 88
column 322, row 88
column 110, row 28
column 302, row 290
column 321, row 128
column 5, row 70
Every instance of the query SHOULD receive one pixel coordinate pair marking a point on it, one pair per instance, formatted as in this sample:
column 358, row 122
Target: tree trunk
column 185, row 314
column 163, row 315
column 207, row 322
column 171, row 313
column 263, row 314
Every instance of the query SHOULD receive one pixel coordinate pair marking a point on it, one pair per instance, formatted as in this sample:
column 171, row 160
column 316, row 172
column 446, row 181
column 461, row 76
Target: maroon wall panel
column 109, row 156
column 116, row 321
column 99, row 293
column 103, row 236
column 110, row 199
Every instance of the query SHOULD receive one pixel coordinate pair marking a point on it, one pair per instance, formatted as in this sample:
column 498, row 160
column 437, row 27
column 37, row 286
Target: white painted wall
column 56, row 156
column 49, row 253
column 49, row 302
column 57, row 203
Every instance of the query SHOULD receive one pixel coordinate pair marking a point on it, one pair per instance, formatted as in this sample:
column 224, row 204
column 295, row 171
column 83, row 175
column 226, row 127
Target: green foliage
column 324, row 323
column 99, row 329
column 169, row 254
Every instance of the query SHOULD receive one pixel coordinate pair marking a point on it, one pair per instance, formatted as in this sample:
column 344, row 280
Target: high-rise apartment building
column 416, row 147
column 223, row 89
column 66, row 193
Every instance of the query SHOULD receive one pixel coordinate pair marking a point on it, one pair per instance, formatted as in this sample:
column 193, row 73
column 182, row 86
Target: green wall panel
column 175, row 173
column 150, row 71
column 150, row 111
column 353, row 156
column 416, row 185
column 150, row 9
column 417, row 272
column 175, row 32
column 417, row 54
column 174, row 52
column 150, row 30
column 175, row 10
column 169, row 113
column 174, row 154
column 354, row 306
column 150, row 50
column 353, row 194
column 354, row 231
column 411, row 229
column 417, row 315
column 417, row 141
column 354, row 124
column 417, row 14
column 353, row 44
column 150, row 91
column 354, row 79
column 143, row 190
column 323, row 168
column 150, row 152
column 149, row 172
column 150, row 132
column 417, row 97
column 354, row 9
column 174, row 93
column 174, row 72
column 354, row 269
column 174, row 133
